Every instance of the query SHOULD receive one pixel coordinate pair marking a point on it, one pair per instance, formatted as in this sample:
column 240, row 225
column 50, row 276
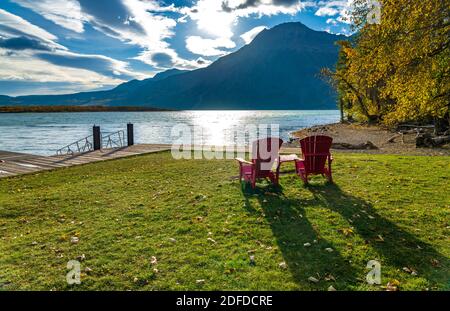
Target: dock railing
column 114, row 140
column 110, row 140
column 82, row 145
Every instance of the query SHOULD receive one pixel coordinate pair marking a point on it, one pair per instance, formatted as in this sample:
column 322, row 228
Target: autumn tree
column 397, row 69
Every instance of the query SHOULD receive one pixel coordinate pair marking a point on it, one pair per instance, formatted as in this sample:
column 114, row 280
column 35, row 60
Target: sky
column 67, row 46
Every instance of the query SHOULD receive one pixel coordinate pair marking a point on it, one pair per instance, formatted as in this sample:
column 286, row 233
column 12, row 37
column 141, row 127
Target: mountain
column 118, row 95
column 277, row 70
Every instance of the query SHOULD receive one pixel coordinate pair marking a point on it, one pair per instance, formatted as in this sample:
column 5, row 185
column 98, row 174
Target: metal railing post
column 97, row 137
column 130, row 134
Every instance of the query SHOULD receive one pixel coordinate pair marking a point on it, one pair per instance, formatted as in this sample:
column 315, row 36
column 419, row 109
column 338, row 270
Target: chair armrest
column 242, row 161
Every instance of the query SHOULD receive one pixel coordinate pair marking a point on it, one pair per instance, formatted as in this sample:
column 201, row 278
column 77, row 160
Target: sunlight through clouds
column 216, row 20
column 208, row 47
column 126, row 39
column 252, row 33
column 65, row 13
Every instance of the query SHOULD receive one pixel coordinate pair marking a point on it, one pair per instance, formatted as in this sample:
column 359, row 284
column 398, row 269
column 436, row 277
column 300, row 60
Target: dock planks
column 13, row 163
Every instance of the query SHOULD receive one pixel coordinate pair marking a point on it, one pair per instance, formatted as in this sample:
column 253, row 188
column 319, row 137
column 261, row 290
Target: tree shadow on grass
column 396, row 246
column 292, row 230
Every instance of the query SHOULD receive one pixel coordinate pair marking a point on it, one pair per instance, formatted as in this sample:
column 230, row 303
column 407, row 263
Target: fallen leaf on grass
column 153, row 260
column 230, row 271
column 200, row 197
column 435, row 262
column 410, row 271
column 331, row 288
column 313, row 279
column 346, row 231
column 392, row 286
column 379, row 238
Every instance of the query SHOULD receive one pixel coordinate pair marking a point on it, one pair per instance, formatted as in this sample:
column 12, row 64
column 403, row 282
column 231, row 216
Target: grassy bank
column 202, row 228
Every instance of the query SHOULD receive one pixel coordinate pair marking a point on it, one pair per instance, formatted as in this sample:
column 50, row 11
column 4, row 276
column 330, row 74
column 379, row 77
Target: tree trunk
column 440, row 125
column 341, row 107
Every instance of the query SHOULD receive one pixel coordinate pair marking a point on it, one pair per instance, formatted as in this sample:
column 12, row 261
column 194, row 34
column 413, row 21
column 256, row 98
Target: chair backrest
column 264, row 152
column 315, row 150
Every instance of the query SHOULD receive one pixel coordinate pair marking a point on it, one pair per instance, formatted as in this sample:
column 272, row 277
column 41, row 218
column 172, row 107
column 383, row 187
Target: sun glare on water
column 216, row 126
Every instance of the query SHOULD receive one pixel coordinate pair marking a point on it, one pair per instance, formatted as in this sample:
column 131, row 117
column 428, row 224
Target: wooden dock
column 13, row 163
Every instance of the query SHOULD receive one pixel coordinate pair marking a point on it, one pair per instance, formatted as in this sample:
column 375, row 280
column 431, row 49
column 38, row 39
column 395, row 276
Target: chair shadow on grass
column 292, row 230
column 396, row 246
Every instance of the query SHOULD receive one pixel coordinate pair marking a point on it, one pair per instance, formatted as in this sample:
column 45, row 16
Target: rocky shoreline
column 361, row 138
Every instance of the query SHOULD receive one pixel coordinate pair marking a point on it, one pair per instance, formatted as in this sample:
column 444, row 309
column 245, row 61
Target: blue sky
column 65, row 46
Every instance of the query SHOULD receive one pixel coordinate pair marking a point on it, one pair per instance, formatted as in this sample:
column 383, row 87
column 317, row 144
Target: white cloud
column 132, row 21
column 217, row 18
column 168, row 58
column 208, row 47
column 210, row 18
column 100, row 64
column 326, row 11
column 252, row 33
column 14, row 26
column 65, row 13
column 25, row 67
column 134, row 24
column 332, row 21
column 137, row 22
column 30, row 53
column 342, row 8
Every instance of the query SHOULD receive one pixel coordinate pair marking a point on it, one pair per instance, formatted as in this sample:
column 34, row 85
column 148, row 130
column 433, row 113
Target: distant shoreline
column 47, row 109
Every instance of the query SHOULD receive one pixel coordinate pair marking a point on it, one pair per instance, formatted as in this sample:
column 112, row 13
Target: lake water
column 44, row 133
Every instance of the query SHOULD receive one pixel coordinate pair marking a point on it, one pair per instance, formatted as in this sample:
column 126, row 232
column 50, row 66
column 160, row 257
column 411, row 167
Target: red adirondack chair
column 264, row 153
column 316, row 152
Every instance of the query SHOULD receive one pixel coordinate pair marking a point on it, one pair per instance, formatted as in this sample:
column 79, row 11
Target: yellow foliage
column 397, row 70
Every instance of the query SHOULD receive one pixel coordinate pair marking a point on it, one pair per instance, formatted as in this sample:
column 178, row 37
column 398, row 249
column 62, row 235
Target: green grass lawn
column 200, row 224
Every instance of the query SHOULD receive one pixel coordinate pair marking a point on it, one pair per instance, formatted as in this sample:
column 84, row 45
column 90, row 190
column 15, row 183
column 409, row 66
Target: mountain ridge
column 277, row 70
